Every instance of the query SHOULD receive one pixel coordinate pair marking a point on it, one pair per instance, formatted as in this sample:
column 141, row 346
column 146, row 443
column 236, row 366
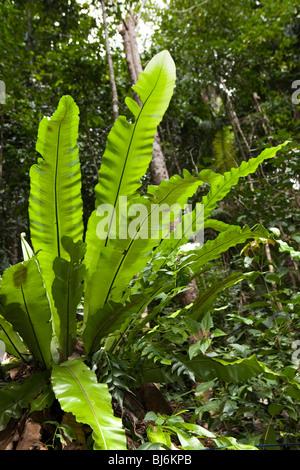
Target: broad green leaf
column 200, row 346
column 272, row 277
column 220, row 187
column 188, row 441
column 294, row 393
column 153, row 446
column 17, row 396
column 275, row 408
column 114, row 316
column 197, row 430
column 168, row 293
column 217, row 225
column 213, row 248
column 284, row 247
column 13, row 343
column 133, row 150
column 27, row 308
column 129, row 149
column 55, row 204
column 231, row 443
column 156, row 434
column 231, row 178
column 269, row 437
column 206, row 299
column 78, row 392
column 122, row 259
column 43, row 400
column 67, row 292
column 205, row 368
column 234, row 371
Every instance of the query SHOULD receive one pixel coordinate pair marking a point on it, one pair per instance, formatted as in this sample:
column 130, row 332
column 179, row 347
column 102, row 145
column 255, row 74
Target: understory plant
column 77, row 287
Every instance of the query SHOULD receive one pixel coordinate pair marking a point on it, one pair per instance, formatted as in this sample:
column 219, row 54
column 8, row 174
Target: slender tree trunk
column 133, row 59
column 233, row 115
column 271, row 269
column 236, row 126
column 29, row 35
column 264, row 119
column 115, row 102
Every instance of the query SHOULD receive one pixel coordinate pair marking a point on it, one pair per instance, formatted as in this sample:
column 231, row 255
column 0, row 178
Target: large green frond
column 17, row 395
column 213, row 248
column 129, row 149
column 67, row 292
column 220, row 186
column 14, row 344
column 78, row 392
column 123, row 258
column 27, row 308
column 55, row 204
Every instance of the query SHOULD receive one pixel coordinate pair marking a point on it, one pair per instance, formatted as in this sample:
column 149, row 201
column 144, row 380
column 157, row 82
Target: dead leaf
column 31, row 437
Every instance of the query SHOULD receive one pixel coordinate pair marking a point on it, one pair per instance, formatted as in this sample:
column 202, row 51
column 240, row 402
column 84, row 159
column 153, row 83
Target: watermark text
column 150, row 221
column 2, row 92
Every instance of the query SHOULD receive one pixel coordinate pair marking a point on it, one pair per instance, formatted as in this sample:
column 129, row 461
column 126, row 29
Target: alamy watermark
column 2, row 351
column 2, row 92
column 150, row 221
column 296, row 94
column 296, row 354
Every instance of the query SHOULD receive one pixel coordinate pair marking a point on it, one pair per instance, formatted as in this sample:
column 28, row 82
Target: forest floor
column 53, row 429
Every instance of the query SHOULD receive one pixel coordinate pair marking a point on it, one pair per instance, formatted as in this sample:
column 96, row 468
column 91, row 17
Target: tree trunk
column 236, row 126
column 115, row 103
column 271, row 269
column 233, row 116
column 264, row 119
column 29, row 35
